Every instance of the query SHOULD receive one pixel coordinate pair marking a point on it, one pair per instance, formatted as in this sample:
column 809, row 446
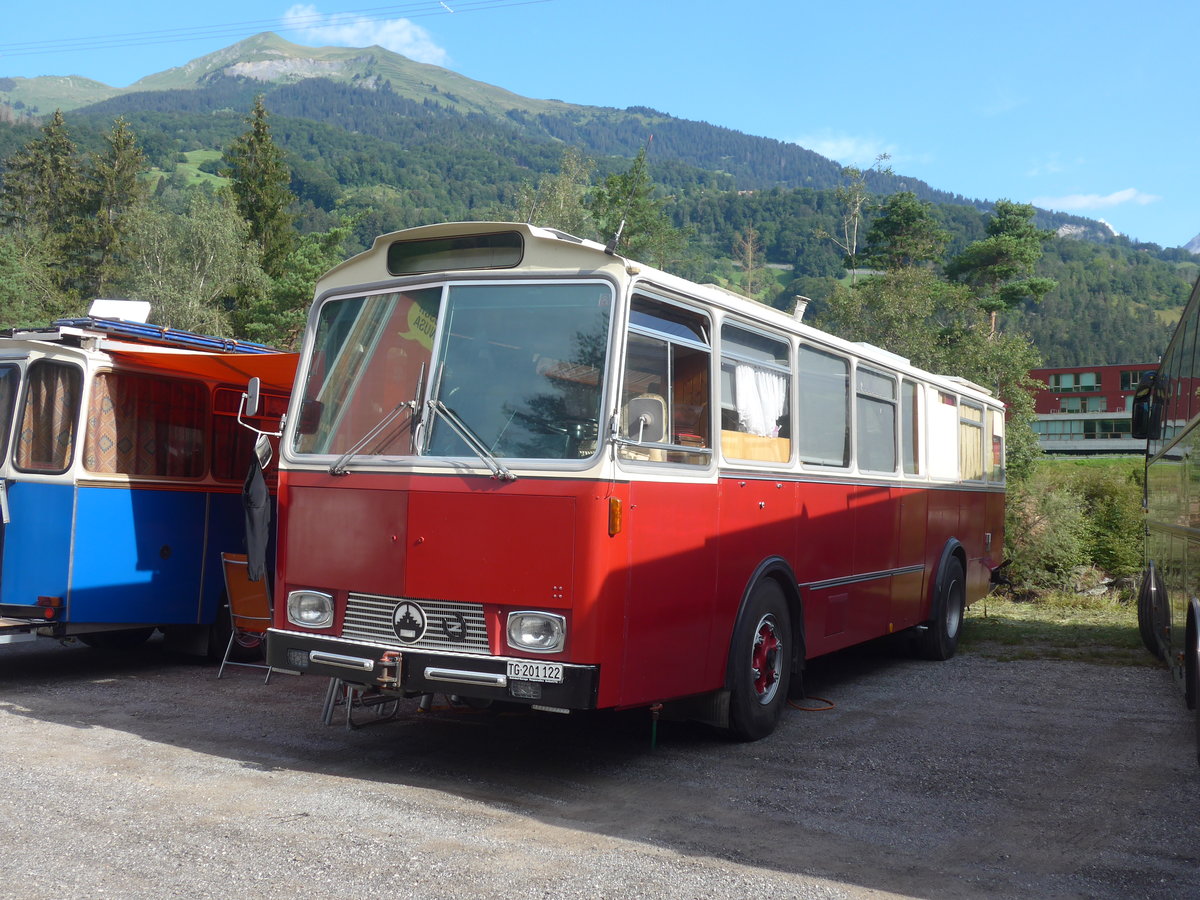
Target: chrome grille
column 369, row 617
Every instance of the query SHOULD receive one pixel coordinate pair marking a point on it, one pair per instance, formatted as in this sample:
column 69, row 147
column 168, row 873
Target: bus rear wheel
column 760, row 663
column 939, row 640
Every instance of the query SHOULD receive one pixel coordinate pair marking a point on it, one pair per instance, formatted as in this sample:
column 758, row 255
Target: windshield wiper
column 339, row 465
column 472, row 440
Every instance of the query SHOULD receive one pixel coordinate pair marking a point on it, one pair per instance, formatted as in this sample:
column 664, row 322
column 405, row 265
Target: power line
column 313, row 21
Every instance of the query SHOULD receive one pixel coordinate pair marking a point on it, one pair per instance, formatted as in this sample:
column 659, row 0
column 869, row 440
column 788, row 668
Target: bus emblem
column 408, row 621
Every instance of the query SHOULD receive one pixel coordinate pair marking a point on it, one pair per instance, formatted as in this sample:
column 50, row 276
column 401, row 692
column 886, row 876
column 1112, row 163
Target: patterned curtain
column 145, row 425
column 48, row 421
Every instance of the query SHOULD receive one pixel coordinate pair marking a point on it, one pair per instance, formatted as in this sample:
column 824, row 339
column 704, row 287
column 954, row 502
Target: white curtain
column 760, row 397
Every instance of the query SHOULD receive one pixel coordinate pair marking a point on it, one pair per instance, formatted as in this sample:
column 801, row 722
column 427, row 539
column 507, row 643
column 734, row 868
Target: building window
column 1075, row 382
column 1131, row 378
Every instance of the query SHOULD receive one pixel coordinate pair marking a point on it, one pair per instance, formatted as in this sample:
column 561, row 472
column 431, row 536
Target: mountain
column 270, row 60
column 390, row 143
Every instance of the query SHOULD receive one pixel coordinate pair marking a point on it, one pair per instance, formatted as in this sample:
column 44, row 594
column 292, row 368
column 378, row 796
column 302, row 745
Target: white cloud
column 1076, row 202
column 846, row 149
column 346, row 30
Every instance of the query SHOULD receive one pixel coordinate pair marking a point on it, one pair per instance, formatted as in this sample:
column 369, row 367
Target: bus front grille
column 456, row 627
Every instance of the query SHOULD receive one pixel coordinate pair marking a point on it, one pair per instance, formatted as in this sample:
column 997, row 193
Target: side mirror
column 252, row 397
column 1147, row 408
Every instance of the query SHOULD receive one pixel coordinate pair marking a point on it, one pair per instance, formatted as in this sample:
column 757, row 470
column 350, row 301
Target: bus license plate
column 524, row 670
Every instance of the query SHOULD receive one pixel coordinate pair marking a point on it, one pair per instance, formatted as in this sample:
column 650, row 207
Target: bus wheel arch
column 937, row 639
column 765, row 652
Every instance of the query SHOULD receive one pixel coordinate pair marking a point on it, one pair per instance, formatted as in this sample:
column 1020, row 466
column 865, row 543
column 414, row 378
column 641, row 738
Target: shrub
column 1071, row 514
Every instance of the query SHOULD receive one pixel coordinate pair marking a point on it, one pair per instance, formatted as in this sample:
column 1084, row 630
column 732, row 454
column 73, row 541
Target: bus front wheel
column 760, row 663
column 1149, row 617
column 939, row 640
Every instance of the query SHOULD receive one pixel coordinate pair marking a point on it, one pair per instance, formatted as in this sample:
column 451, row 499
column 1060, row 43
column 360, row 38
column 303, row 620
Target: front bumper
column 425, row 672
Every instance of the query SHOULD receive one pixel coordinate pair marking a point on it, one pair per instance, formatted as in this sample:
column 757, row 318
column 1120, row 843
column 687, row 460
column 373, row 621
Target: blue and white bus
column 121, row 472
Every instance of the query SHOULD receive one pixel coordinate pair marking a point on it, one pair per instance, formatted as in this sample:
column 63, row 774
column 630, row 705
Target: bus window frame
column 709, row 321
column 788, row 369
column 870, row 367
column 204, row 419
column 27, row 383
column 7, row 427
column 846, row 466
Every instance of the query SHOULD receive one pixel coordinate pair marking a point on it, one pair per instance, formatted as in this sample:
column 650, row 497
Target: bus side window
column 10, row 380
column 49, row 417
column 875, row 420
column 755, row 397
column 146, row 425
column 970, row 442
column 910, row 430
column 665, row 388
column 824, row 408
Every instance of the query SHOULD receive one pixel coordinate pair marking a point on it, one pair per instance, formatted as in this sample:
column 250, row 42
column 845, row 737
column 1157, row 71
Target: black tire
column 117, row 641
column 1150, row 598
column 939, row 639
column 760, row 663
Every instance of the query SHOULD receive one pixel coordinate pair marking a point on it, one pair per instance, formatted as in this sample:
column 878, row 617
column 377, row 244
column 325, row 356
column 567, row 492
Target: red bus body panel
column 653, row 606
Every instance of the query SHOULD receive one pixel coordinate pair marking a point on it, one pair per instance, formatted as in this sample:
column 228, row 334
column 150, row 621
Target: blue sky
column 1085, row 108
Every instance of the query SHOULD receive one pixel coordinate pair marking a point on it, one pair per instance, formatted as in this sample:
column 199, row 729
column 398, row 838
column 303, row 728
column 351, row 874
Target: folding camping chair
column 249, row 609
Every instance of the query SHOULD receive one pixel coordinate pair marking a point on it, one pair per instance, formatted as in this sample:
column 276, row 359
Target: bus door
column 671, row 526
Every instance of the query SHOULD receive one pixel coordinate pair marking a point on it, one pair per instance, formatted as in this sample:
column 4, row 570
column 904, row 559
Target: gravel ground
column 145, row 776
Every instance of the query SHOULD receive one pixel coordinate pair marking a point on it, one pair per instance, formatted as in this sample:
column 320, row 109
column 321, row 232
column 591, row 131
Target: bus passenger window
column 10, row 380
column 875, row 421
column 910, row 432
column 996, row 460
column 755, row 397
column 970, row 442
column 49, row 418
column 146, row 425
column 665, row 389
column 824, row 421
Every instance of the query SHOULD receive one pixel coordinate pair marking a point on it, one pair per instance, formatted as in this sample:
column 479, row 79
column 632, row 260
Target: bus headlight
column 536, row 632
column 310, row 609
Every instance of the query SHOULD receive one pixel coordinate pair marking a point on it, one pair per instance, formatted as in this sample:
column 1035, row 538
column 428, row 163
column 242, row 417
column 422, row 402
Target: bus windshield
column 519, row 364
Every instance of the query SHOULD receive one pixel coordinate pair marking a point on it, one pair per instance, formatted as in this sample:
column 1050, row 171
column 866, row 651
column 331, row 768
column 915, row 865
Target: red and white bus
column 518, row 467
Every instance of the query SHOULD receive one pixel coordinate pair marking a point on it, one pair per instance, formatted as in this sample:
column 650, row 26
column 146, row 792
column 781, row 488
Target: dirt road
column 148, row 777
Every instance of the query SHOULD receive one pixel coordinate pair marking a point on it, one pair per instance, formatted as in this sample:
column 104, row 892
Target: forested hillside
column 364, row 161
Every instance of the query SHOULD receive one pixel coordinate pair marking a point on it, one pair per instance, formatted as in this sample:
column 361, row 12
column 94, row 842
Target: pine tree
column 999, row 268
column 261, row 188
column 631, row 218
column 42, row 184
column 905, row 233
column 112, row 189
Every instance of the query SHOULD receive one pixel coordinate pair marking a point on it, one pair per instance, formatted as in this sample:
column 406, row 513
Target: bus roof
column 555, row 251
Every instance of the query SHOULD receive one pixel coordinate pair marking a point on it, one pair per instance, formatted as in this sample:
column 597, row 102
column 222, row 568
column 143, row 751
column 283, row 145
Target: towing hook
column 390, row 660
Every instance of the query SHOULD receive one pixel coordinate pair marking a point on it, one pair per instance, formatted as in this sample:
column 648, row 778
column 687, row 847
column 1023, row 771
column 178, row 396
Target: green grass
column 1057, row 626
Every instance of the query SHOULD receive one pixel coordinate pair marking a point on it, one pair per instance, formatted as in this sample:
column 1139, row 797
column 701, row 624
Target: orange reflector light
column 614, row 516
column 49, row 601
